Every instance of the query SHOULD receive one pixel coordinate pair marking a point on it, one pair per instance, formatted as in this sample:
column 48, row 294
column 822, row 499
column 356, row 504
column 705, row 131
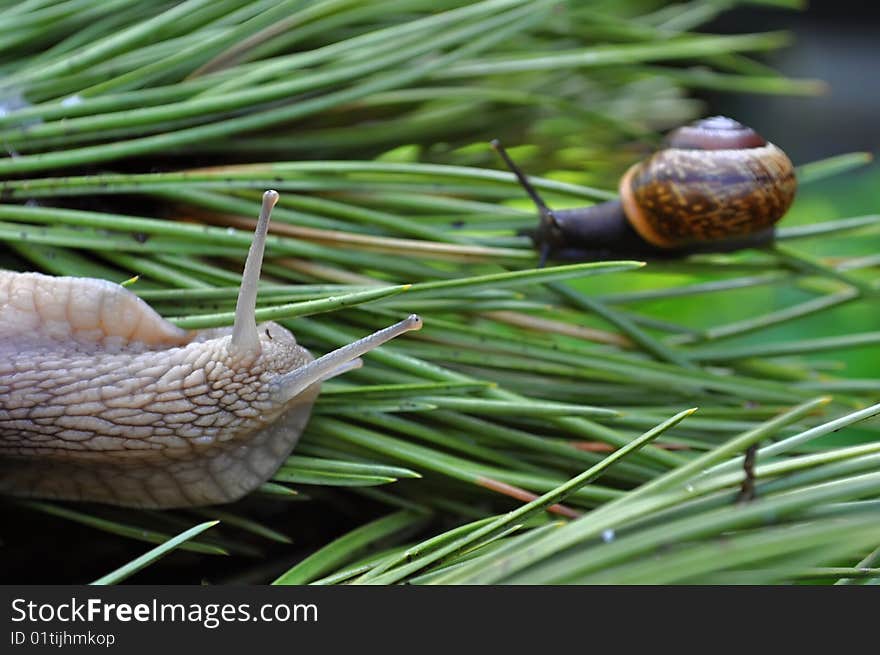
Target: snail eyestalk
column 548, row 218
column 244, row 330
column 340, row 360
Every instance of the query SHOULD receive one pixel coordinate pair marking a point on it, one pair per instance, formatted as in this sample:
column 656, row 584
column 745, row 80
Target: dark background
column 837, row 41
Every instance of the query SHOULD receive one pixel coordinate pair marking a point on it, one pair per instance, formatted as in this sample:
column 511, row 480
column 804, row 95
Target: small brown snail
column 717, row 186
column 103, row 400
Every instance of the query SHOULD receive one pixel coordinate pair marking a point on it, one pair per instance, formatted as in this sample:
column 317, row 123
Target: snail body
column 717, row 186
column 103, row 400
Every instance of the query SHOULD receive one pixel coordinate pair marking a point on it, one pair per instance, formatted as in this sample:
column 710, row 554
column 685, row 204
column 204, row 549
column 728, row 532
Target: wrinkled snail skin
column 103, row 400
column 180, row 425
column 717, row 186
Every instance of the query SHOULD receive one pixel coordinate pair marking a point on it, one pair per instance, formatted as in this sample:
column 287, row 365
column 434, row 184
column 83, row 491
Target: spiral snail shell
column 716, row 186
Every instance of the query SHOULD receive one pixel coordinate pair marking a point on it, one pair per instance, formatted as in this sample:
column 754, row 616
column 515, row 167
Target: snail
column 101, row 399
column 717, row 186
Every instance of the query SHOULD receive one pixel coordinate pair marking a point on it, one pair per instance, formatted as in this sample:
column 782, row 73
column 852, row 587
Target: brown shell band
column 682, row 196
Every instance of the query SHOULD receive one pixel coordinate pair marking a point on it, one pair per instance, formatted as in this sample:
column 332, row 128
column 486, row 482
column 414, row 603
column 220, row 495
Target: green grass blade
column 128, row 570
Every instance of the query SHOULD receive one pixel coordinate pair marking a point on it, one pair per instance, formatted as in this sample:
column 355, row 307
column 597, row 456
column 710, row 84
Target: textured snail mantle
column 717, row 186
column 101, row 399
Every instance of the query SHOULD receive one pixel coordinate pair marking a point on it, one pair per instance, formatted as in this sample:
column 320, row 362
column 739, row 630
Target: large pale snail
column 717, row 186
column 103, row 400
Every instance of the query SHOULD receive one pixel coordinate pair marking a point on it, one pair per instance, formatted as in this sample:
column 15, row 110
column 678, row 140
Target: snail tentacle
column 340, row 360
column 244, row 330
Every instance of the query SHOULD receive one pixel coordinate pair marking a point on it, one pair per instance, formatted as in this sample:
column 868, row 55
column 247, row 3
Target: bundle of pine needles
column 582, row 423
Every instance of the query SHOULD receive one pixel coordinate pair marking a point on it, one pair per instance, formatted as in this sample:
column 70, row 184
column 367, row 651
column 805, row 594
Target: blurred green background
column 836, row 42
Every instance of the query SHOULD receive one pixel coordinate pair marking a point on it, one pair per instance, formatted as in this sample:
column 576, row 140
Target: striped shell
column 716, row 180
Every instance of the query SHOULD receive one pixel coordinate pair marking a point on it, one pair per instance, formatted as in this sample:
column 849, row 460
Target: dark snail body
column 717, row 186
